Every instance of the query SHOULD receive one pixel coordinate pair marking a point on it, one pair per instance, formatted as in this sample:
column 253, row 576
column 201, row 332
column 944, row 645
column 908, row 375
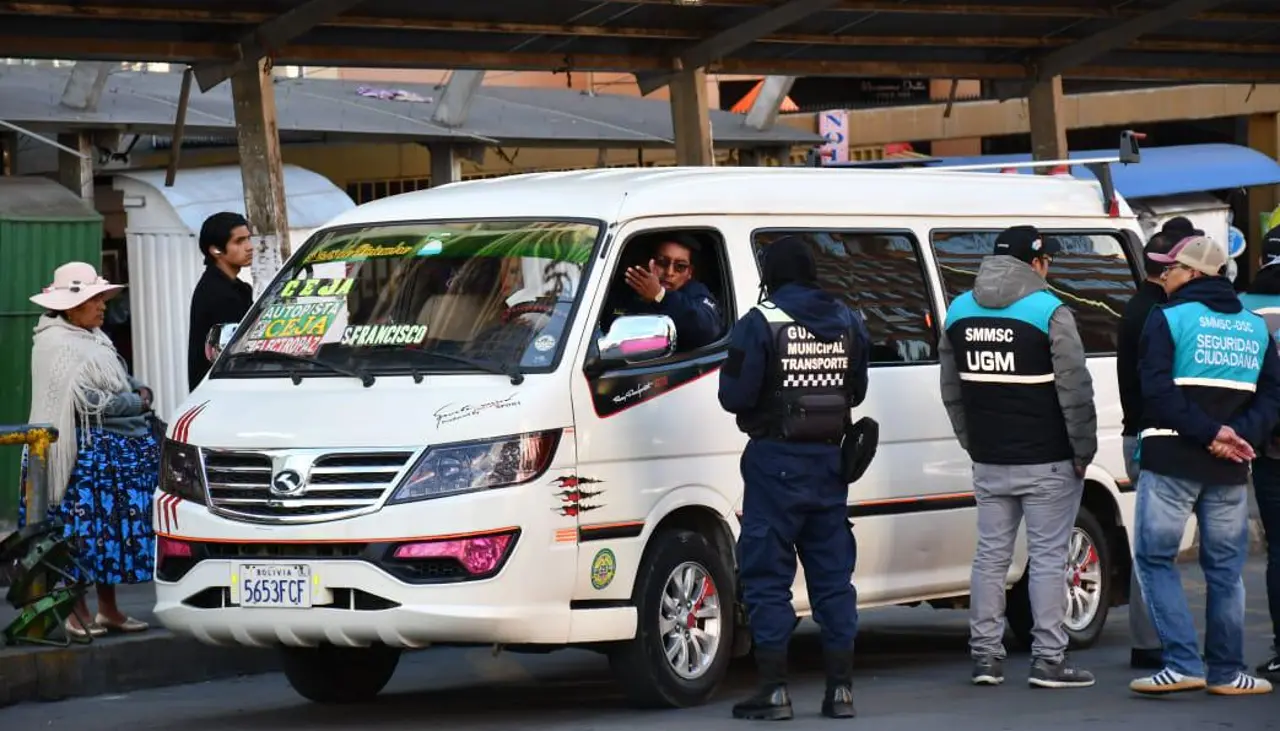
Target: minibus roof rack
column 1127, row 154
column 1099, row 166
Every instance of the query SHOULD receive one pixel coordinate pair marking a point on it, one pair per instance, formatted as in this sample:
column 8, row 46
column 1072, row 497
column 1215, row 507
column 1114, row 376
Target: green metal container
column 42, row 226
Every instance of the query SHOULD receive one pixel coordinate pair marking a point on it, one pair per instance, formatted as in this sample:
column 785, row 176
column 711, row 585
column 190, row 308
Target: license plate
column 277, row 586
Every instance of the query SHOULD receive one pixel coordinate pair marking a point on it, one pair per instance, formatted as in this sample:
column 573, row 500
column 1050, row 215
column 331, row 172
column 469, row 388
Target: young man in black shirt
column 220, row 296
column 1145, row 652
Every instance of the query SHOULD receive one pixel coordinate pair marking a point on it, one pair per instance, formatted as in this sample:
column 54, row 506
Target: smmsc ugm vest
column 1006, row 380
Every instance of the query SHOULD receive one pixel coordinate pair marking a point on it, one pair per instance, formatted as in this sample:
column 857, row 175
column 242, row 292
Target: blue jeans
column 1222, row 511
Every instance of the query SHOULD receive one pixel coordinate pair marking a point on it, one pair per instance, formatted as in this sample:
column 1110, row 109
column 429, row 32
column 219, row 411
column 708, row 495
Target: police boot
column 837, row 702
column 771, row 701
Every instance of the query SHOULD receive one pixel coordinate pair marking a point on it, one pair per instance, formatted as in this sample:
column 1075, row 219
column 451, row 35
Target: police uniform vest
column 805, row 398
column 1007, row 381
column 1217, row 358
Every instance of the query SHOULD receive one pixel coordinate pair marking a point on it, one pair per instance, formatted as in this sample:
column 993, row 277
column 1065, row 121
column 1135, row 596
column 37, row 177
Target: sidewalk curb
column 153, row 659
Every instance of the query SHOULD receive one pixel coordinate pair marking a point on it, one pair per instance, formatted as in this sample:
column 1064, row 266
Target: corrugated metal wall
column 29, row 252
column 163, row 271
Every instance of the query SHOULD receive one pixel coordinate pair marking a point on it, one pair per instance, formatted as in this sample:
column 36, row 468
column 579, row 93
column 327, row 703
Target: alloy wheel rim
column 1084, row 581
column 689, row 620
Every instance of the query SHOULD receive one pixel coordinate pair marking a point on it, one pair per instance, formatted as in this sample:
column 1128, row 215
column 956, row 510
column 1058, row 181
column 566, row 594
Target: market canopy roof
column 330, row 110
column 1199, row 40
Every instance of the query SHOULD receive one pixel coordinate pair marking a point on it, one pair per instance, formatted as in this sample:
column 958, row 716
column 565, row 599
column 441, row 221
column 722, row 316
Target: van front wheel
column 329, row 674
column 684, row 629
column 1088, row 587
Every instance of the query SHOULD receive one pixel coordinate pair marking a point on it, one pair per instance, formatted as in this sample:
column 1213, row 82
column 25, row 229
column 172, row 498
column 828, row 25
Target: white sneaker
column 1166, row 681
column 1242, row 685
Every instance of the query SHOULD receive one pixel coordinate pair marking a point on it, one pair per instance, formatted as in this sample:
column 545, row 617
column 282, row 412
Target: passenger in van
column 1263, row 298
column 220, row 296
column 797, row 364
column 1020, row 398
column 1144, row 652
column 667, row 285
column 1211, row 391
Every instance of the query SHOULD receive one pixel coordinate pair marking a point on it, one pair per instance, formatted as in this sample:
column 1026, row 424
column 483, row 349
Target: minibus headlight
column 180, row 471
column 452, row 469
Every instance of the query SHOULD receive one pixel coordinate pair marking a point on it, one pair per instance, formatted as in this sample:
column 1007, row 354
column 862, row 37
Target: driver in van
column 1019, row 395
column 667, row 287
column 797, row 364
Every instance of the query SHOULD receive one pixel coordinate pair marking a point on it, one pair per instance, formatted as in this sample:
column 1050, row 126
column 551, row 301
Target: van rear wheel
column 329, row 674
column 685, row 624
column 1088, row 587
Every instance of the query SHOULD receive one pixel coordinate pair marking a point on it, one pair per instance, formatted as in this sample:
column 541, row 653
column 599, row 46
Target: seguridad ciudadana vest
column 806, row 394
column 1217, row 358
column 1005, row 364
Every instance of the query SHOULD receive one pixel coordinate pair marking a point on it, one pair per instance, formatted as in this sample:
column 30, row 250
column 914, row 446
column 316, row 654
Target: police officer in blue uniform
column 1020, row 398
column 797, row 364
column 1211, row 392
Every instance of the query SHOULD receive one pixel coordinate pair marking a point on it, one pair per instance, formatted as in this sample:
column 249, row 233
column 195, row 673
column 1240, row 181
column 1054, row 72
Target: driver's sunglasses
column 678, row 265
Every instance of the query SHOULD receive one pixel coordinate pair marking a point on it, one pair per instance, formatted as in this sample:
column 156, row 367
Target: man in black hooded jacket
column 797, row 364
column 1145, row 642
column 1263, row 298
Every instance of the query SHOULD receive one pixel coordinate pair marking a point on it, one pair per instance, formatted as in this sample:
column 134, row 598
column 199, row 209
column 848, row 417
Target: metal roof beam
column 1083, row 51
column 764, row 109
column 103, row 47
column 455, row 102
column 734, row 38
column 85, row 84
column 269, row 36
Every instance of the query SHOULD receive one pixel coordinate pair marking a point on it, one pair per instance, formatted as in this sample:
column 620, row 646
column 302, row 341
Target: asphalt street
column 912, row 675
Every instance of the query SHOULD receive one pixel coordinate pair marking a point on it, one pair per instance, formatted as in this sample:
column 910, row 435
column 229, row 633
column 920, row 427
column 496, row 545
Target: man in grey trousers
column 1020, row 398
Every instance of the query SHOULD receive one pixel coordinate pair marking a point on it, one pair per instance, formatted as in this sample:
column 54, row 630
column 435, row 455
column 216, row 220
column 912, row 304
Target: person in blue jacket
column 668, row 286
column 797, row 364
column 1211, row 391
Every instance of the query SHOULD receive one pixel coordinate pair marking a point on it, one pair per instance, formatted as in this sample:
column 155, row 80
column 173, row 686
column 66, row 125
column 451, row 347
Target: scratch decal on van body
column 571, row 494
column 616, row 391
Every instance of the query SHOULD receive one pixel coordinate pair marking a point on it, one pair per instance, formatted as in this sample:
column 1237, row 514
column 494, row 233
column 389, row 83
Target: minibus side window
column 1093, row 275
column 880, row 275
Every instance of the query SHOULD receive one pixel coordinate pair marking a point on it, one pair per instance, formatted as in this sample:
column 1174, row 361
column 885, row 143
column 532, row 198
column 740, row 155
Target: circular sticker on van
column 544, row 343
column 603, row 568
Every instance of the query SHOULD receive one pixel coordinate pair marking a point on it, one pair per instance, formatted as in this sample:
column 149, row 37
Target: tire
column 640, row 665
column 329, row 674
column 1083, row 627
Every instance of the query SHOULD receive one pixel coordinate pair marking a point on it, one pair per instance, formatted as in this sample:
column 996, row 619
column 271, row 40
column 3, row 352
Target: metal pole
column 35, row 489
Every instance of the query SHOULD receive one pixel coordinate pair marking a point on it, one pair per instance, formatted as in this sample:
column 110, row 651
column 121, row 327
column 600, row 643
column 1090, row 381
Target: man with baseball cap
column 1263, row 298
column 1144, row 652
column 1020, row 399
column 1211, row 390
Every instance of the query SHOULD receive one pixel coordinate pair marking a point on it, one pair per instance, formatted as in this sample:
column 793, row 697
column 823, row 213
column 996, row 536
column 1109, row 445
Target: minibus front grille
column 336, row 484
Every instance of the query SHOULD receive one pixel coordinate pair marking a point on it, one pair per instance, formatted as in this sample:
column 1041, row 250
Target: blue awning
column 1164, row 170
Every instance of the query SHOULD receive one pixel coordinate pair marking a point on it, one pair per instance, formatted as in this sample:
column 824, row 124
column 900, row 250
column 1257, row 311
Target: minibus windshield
column 412, row 298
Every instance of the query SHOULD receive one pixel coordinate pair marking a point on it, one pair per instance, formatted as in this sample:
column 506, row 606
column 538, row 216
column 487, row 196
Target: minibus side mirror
column 219, row 337
column 637, row 339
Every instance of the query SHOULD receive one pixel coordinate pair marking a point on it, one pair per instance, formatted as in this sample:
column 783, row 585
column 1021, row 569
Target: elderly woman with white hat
column 104, row 467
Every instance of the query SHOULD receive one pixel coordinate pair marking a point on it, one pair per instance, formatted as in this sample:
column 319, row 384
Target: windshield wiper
column 365, row 378
column 510, row 370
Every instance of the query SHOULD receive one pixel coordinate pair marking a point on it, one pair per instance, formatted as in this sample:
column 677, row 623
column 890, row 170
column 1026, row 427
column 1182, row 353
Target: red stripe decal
column 184, row 423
